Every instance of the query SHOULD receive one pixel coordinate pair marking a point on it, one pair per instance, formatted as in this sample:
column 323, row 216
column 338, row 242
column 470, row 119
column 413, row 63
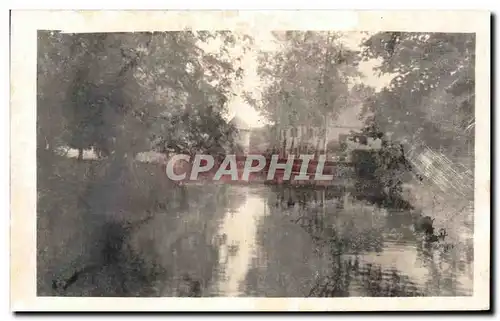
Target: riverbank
column 456, row 216
column 446, row 192
column 79, row 202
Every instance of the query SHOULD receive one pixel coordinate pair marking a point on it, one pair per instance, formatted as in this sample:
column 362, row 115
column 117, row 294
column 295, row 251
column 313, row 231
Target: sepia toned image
column 224, row 161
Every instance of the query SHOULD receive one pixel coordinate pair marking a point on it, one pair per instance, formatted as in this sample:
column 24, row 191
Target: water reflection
column 292, row 242
column 238, row 246
column 277, row 242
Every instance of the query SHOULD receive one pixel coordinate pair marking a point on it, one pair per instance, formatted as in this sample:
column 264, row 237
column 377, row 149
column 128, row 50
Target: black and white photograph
column 230, row 155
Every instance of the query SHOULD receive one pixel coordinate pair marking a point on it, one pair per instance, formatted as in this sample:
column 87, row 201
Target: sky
column 251, row 82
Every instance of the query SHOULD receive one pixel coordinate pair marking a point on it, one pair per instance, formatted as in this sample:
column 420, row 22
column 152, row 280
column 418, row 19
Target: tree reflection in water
column 275, row 242
column 358, row 237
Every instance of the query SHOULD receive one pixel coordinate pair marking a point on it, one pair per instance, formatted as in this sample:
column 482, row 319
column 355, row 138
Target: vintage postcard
column 250, row 160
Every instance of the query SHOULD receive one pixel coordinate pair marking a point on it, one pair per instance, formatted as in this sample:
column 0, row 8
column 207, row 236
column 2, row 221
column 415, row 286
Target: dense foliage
column 127, row 93
column 430, row 100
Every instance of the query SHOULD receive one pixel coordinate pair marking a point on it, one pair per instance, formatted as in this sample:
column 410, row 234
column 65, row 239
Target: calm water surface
column 264, row 241
column 231, row 240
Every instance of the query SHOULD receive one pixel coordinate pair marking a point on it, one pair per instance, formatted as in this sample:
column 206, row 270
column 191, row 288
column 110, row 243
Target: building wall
column 312, row 135
column 302, row 135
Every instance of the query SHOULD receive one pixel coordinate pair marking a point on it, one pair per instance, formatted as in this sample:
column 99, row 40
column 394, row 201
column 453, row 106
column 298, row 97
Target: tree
column 190, row 91
column 308, row 79
column 121, row 93
column 53, row 82
column 117, row 93
column 430, row 100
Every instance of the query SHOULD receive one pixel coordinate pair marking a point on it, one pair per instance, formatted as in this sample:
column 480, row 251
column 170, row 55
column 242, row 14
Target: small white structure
column 300, row 135
column 244, row 131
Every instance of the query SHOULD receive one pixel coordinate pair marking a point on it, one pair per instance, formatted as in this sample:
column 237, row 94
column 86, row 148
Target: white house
column 297, row 139
column 297, row 136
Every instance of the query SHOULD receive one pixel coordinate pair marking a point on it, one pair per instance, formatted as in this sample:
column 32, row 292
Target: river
column 272, row 242
column 265, row 241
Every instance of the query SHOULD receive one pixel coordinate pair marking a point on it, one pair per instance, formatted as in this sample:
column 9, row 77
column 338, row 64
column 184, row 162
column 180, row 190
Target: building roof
column 239, row 123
